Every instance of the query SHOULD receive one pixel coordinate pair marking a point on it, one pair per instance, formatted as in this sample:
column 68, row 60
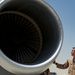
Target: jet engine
column 31, row 36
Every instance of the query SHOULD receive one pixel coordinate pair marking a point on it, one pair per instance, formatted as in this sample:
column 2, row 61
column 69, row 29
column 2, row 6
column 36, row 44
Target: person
column 46, row 72
column 70, row 64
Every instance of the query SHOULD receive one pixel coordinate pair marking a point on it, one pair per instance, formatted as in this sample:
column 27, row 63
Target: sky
column 66, row 12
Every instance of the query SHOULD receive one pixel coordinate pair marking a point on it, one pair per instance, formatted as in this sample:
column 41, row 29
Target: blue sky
column 66, row 12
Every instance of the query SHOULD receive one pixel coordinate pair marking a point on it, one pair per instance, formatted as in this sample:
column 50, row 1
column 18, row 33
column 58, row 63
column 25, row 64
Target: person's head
column 73, row 52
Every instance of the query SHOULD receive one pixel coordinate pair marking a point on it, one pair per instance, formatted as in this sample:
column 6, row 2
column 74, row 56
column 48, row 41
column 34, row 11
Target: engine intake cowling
column 31, row 36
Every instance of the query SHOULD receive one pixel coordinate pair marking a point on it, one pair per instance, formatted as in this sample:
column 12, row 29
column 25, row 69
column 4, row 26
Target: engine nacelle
column 31, row 36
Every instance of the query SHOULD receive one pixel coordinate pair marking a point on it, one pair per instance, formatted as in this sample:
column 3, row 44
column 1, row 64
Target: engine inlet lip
column 20, row 68
column 9, row 65
column 17, row 67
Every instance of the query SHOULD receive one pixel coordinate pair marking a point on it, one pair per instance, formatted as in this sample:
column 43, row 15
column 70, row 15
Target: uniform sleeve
column 63, row 66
